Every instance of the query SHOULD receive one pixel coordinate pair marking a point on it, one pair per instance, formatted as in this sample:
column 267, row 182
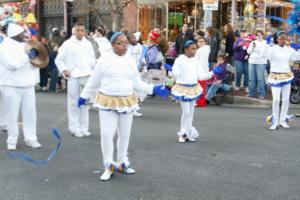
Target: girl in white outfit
column 280, row 78
column 187, row 72
column 116, row 77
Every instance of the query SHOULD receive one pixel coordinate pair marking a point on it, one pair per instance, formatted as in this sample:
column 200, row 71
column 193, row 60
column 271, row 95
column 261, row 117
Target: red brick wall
column 130, row 17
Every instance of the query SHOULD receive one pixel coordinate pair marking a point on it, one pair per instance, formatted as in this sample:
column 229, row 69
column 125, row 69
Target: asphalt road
column 236, row 158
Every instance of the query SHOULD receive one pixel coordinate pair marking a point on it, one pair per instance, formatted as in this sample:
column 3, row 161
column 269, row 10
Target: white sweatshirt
column 103, row 44
column 15, row 67
column 280, row 58
column 202, row 56
column 76, row 56
column 135, row 52
column 187, row 71
column 257, row 53
column 115, row 75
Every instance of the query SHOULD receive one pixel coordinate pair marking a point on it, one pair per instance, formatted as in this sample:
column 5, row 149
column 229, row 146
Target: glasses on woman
column 124, row 44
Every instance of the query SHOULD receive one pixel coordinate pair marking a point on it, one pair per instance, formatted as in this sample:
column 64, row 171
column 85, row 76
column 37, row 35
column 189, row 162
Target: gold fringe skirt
column 280, row 79
column 121, row 104
column 182, row 92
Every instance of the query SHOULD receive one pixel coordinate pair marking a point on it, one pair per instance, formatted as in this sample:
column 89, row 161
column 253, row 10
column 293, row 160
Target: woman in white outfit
column 116, row 77
column 280, row 78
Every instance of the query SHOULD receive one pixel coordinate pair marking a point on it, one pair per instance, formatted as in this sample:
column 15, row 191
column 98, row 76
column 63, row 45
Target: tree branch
column 123, row 6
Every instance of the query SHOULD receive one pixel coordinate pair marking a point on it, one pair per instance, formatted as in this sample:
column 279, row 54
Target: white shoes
column 11, row 147
column 33, row 144
column 128, row 170
column 86, row 133
column 137, row 114
column 247, row 89
column 181, row 139
column 273, row 127
column 284, row 125
column 77, row 134
column 106, row 175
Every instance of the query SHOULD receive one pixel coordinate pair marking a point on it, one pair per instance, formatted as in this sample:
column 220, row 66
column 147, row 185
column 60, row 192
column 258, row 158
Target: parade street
column 236, row 157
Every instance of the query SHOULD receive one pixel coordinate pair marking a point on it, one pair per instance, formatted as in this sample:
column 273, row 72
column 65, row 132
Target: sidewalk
column 240, row 99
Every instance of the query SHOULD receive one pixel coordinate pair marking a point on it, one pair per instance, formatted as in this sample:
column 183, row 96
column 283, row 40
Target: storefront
column 169, row 15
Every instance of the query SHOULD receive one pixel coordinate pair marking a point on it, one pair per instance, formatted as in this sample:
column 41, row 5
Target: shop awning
column 147, row 2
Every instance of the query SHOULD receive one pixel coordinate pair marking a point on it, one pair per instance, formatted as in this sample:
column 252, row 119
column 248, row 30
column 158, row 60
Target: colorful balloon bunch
column 10, row 13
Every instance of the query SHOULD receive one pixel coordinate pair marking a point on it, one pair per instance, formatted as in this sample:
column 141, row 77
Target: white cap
column 14, row 30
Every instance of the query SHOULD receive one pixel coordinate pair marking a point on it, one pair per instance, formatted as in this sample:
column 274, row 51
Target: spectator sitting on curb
column 218, row 82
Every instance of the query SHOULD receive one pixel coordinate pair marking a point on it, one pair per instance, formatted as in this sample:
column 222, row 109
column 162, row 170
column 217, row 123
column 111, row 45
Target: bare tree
column 98, row 7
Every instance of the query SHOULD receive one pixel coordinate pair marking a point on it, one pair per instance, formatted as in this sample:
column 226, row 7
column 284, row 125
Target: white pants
column 187, row 116
column 23, row 99
column 3, row 109
column 78, row 118
column 110, row 122
column 283, row 93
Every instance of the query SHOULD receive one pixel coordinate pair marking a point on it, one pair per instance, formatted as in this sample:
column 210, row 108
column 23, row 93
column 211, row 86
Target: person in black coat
column 182, row 37
column 229, row 41
column 214, row 43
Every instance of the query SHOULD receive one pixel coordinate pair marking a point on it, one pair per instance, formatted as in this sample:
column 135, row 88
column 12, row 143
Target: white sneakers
column 137, row 114
column 80, row 134
column 181, row 139
column 11, row 147
column 86, row 133
column 33, row 144
column 273, row 127
column 76, row 134
column 30, row 143
column 188, row 136
column 129, row 170
column 108, row 172
column 247, row 89
column 284, row 125
column 106, row 175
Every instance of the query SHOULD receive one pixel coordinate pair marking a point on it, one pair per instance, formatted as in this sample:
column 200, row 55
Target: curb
column 242, row 101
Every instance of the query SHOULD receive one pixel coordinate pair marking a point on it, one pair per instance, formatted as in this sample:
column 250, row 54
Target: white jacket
column 77, row 56
column 188, row 71
column 257, row 53
column 115, row 75
column 15, row 67
column 280, row 57
column 103, row 45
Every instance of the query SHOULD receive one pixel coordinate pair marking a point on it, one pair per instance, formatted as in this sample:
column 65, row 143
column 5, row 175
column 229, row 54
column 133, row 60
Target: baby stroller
column 295, row 85
column 295, row 91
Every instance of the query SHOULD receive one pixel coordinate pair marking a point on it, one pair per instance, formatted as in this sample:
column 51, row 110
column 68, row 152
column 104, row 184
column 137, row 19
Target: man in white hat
column 18, row 81
column 76, row 60
column 3, row 110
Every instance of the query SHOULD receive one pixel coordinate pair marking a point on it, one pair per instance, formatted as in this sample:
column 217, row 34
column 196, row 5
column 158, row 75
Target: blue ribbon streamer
column 268, row 17
column 26, row 158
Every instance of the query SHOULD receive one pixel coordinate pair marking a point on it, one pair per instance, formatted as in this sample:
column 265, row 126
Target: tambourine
column 42, row 59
